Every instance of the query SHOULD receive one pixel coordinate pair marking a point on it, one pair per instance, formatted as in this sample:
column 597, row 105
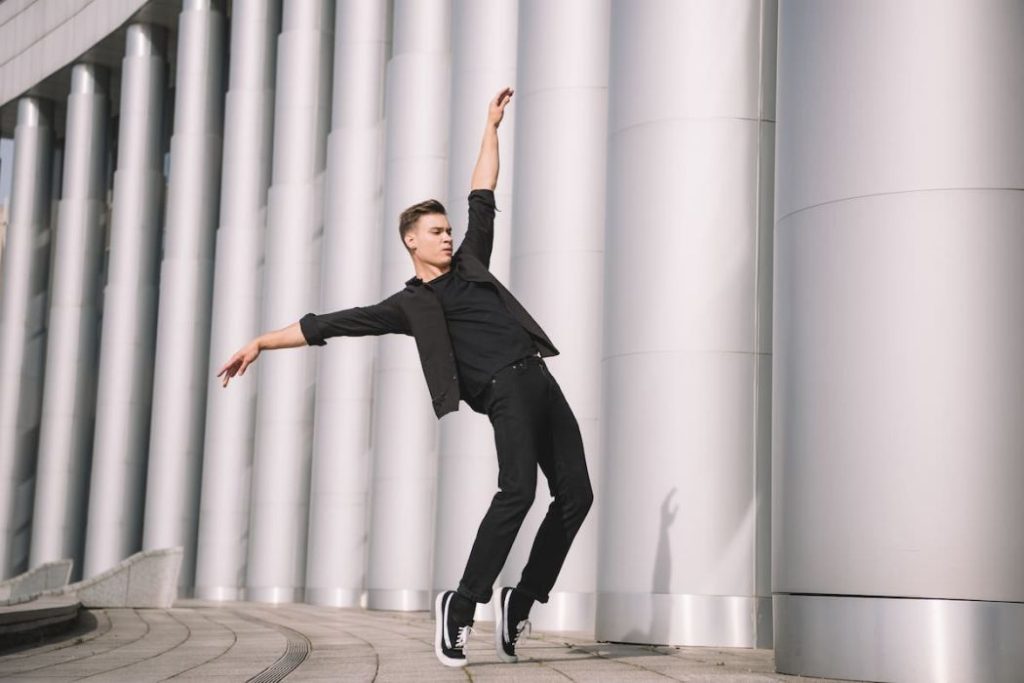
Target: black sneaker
column 450, row 636
column 508, row 626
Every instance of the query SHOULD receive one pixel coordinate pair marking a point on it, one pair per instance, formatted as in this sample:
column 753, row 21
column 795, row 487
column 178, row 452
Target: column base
column 898, row 639
column 683, row 619
column 336, row 597
column 274, row 594
column 218, row 593
column 399, row 600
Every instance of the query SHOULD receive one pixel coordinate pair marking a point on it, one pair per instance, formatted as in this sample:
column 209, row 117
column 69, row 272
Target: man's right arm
column 385, row 317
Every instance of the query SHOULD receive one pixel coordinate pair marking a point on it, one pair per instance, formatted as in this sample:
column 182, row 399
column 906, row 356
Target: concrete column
column 685, row 544
column 69, row 397
column 284, row 417
column 898, row 370
column 484, row 38
column 23, row 305
column 339, row 490
column 556, row 267
column 127, row 342
column 237, row 295
column 405, row 428
column 186, row 288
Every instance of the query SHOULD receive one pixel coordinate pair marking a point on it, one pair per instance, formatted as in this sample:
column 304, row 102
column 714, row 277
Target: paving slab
column 197, row 640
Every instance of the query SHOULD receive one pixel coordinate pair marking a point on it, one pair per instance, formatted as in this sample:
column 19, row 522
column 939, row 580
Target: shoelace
column 462, row 637
column 523, row 625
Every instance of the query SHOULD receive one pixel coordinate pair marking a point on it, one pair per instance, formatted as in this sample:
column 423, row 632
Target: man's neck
column 428, row 272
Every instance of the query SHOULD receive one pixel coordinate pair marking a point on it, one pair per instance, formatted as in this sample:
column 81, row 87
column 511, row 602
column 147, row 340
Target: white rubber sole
column 438, row 626
column 499, row 625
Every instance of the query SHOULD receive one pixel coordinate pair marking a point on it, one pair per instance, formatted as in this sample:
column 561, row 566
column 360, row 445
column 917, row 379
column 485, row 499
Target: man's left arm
column 485, row 173
column 480, row 228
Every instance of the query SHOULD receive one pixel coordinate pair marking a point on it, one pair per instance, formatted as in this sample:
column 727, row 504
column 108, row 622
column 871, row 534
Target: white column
column 69, row 397
column 237, row 295
column 127, row 353
column 405, row 429
column 186, row 284
column 557, row 250
column 684, row 548
column 899, row 377
column 339, row 489
column 279, row 507
column 484, row 39
column 23, row 306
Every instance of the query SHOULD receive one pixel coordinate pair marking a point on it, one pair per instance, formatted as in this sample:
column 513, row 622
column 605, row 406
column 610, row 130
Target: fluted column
column 483, row 61
column 685, row 544
column 69, row 397
column 284, row 417
column 899, row 377
column 23, row 305
column 339, row 489
column 237, row 295
column 186, row 284
column 405, row 427
column 127, row 342
column 556, row 267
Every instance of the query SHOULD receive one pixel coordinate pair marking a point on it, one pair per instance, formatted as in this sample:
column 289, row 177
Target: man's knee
column 519, row 495
column 577, row 501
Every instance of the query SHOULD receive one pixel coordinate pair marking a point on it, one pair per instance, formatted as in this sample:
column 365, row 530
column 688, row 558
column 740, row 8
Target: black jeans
column 533, row 425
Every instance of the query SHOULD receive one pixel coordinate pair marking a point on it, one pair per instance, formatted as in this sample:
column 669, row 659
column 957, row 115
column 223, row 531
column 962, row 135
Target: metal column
column 685, row 544
column 484, row 39
column 121, row 441
column 23, row 308
column 405, row 428
column 339, row 489
column 284, row 412
column 237, row 294
column 899, row 377
column 186, row 284
column 69, row 398
column 556, row 266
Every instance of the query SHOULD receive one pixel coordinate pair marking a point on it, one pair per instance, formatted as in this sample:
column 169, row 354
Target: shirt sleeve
column 385, row 317
column 480, row 229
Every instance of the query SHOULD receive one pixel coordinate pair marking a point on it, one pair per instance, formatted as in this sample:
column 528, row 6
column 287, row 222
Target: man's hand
column 496, row 110
column 240, row 361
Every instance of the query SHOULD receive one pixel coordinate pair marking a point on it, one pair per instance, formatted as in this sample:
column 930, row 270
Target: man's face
column 432, row 239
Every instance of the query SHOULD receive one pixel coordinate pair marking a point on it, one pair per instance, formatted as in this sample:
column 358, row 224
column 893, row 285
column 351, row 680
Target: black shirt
column 417, row 311
column 484, row 335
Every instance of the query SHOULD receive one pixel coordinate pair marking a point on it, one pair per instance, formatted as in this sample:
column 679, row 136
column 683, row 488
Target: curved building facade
column 777, row 242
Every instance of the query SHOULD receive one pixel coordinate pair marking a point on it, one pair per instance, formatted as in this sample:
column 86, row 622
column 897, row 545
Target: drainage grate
column 295, row 652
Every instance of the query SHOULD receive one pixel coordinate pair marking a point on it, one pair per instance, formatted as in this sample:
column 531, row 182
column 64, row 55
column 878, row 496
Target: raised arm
column 485, row 174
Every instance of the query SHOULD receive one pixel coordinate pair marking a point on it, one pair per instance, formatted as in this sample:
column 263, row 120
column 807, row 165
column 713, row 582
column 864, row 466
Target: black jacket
column 416, row 311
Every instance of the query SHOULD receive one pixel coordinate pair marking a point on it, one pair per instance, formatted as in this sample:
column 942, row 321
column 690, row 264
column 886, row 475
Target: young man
column 478, row 344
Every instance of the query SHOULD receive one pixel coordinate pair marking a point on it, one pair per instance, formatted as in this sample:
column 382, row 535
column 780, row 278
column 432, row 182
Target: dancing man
column 476, row 343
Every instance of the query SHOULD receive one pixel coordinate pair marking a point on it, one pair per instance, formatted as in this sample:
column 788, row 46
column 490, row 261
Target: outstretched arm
column 284, row 338
column 485, row 174
column 313, row 330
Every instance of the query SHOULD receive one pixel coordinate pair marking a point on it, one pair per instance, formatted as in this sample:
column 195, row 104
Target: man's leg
column 517, row 410
column 565, row 467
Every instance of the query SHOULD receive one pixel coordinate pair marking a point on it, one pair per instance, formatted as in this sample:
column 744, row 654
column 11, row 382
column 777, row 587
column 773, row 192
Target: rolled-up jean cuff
column 475, row 597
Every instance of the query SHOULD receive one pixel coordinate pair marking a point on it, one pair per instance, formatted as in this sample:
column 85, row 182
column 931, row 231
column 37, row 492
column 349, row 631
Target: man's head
column 426, row 234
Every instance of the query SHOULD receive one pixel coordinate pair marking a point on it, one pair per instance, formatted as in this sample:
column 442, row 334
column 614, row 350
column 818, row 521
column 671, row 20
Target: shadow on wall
column 660, row 619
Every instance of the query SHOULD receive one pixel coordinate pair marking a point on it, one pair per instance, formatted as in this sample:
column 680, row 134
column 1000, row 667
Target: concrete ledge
column 46, row 576
column 146, row 579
